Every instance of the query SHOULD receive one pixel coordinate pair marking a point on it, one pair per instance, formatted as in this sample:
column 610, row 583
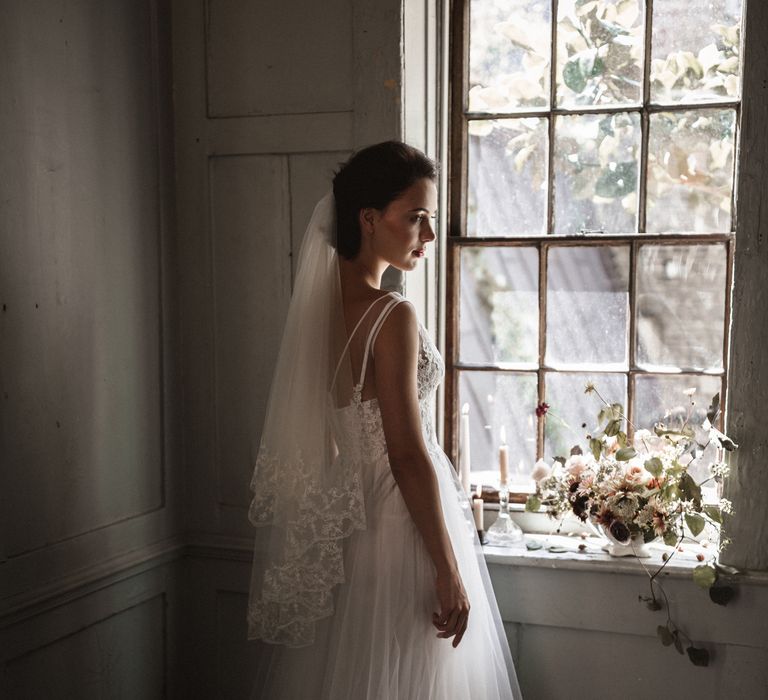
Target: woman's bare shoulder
column 401, row 325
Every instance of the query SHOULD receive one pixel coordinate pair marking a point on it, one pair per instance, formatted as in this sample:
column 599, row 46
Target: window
column 591, row 216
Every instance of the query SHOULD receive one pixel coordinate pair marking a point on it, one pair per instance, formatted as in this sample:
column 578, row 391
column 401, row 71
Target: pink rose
column 636, row 474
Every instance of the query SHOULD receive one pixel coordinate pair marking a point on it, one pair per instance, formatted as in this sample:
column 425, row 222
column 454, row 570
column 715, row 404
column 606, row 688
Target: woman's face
column 401, row 231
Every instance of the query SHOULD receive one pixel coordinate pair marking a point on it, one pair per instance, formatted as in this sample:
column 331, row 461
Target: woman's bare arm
column 395, row 367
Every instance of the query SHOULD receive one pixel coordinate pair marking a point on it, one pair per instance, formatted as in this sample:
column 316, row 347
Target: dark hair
column 374, row 177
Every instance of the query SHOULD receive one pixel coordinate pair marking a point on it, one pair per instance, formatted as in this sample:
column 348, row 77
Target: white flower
column 725, row 505
column 541, row 470
column 575, row 464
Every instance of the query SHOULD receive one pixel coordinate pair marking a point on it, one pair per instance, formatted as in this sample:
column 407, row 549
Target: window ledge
column 594, row 559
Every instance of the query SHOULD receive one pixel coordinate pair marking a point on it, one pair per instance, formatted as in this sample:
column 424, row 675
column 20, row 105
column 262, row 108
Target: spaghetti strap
column 349, row 340
column 374, row 332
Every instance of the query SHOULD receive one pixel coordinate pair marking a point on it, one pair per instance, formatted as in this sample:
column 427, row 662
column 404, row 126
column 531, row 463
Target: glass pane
column 587, row 306
column 500, row 399
column 695, row 50
column 572, row 413
column 690, row 171
column 681, row 306
column 596, row 172
column 663, row 399
column 509, row 55
column 600, row 52
column 499, row 316
column 507, row 176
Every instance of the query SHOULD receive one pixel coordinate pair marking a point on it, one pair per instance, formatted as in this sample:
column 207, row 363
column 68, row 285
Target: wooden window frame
column 459, row 118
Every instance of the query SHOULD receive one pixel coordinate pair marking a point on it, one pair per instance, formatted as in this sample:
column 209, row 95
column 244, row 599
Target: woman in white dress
column 368, row 580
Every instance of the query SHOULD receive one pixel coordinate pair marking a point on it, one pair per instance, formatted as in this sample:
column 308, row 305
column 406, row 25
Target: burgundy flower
column 619, row 531
column 541, row 409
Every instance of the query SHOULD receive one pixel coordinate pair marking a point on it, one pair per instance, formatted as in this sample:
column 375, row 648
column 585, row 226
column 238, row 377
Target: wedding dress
column 379, row 643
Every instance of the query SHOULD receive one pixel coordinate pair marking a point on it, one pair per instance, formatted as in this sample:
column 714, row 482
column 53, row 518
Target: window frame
column 457, row 181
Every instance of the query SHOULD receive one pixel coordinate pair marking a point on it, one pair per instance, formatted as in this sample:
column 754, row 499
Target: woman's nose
column 427, row 232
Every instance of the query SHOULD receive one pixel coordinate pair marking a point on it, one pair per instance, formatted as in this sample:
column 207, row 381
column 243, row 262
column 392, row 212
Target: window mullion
column 542, row 390
column 551, row 122
column 630, row 408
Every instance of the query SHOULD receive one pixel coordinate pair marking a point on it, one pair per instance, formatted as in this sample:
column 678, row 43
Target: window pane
column 509, row 55
column 695, row 50
column 600, row 52
column 661, row 399
column 681, row 306
column 570, row 408
column 596, row 172
column 507, row 177
column 499, row 317
column 587, row 306
column 690, row 171
column 500, row 399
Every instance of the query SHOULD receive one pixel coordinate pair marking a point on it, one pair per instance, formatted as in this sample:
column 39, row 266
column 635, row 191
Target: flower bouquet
column 635, row 490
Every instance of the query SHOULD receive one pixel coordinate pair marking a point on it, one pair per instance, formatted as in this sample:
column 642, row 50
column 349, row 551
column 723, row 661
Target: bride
column 368, row 578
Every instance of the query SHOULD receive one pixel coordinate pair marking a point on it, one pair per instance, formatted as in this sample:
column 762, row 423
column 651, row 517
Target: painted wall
column 89, row 441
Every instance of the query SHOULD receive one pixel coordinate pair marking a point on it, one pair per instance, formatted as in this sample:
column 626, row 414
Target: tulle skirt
column 380, row 643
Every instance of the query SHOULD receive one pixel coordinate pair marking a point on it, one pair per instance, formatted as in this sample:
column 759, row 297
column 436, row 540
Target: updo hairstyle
column 373, row 177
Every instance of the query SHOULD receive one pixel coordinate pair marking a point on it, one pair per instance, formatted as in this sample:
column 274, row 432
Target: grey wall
column 88, row 434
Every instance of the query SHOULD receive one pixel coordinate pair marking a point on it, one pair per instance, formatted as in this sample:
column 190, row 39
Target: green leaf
column 689, row 489
column 625, row 453
column 573, row 75
column 695, row 523
column 678, row 642
column 665, row 635
column 613, row 428
column 698, row 657
column 533, row 503
column 704, row 575
column 670, row 538
column 621, row 438
column 619, row 182
column 722, row 595
column 654, row 466
column 714, row 408
column 714, row 513
column 596, row 446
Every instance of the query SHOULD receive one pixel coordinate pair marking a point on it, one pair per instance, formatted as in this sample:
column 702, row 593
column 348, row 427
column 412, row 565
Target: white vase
column 636, row 547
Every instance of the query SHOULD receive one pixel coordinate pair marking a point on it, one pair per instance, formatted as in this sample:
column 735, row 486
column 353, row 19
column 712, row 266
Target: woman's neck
column 359, row 277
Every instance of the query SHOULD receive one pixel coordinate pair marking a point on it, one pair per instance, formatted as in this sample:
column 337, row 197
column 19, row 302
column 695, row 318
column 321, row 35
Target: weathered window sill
column 541, row 529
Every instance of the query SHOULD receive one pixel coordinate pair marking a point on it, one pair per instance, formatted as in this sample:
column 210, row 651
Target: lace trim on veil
column 297, row 591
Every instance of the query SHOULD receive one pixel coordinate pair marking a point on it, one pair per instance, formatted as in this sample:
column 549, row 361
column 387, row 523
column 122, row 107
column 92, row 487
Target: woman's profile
column 368, row 577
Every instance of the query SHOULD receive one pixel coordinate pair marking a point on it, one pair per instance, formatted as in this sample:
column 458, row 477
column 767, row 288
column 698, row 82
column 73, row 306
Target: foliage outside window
column 591, row 238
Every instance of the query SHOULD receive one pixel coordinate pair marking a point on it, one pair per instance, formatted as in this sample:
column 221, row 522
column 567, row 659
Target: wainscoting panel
column 112, row 642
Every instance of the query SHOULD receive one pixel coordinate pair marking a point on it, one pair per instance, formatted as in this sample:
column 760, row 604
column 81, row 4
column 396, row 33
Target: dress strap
column 374, row 332
column 349, row 340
